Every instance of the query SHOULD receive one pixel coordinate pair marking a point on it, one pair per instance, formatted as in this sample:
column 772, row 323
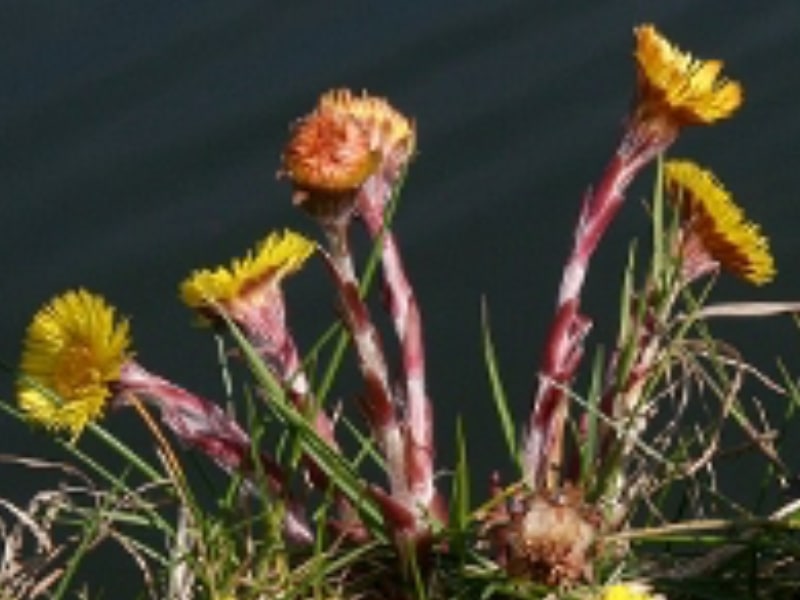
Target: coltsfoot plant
column 616, row 495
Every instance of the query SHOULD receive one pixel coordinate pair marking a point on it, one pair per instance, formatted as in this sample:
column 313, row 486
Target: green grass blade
column 590, row 447
column 498, row 392
column 460, row 498
column 335, row 466
column 659, row 259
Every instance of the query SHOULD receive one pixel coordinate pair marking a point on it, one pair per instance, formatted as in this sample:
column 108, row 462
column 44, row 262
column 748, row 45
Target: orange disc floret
column 390, row 133
column 329, row 153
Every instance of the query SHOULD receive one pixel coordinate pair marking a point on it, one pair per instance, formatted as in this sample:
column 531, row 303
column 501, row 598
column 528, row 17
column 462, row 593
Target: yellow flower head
column 628, row 591
column 674, row 86
column 718, row 223
column 73, row 352
column 278, row 255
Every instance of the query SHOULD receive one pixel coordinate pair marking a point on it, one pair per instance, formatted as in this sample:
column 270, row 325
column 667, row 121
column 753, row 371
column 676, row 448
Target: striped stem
column 407, row 321
column 543, row 448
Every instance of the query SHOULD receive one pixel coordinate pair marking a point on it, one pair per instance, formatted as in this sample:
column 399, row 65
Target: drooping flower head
column 249, row 289
column 74, row 350
column 716, row 225
column 674, row 89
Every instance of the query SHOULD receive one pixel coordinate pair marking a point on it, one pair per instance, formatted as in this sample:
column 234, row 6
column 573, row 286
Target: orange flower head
column 340, row 145
column 390, row 133
column 677, row 89
column 329, row 154
column 715, row 222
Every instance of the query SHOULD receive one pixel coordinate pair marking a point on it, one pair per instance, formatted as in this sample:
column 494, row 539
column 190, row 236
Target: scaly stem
column 201, row 424
column 407, row 321
column 378, row 403
column 264, row 323
column 564, row 346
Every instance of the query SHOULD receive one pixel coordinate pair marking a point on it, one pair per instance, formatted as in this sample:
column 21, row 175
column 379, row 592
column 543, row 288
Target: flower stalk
column 673, row 90
column 249, row 293
column 377, row 402
column 337, row 155
column 201, row 424
column 404, row 309
column 564, row 345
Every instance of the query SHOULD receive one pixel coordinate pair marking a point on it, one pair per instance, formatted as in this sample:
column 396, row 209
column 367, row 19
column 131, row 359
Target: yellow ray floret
column 278, row 255
column 628, row 591
column 718, row 222
column 73, row 351
column 675, row 85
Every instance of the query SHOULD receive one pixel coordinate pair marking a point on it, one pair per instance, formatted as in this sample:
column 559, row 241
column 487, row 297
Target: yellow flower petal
column 674, row 85
column 718, row 222
column 276, row 256
column 73, row 351
column 628, row 591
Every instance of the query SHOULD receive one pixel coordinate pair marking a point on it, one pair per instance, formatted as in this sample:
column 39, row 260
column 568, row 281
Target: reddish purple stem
column 564, row 347
column 378, row 402
column 404, row 310
column 203, row 425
